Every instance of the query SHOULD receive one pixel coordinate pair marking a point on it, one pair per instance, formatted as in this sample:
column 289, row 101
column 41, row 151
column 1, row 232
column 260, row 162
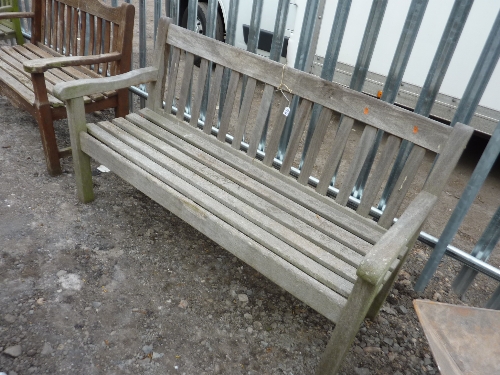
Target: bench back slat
column 343, row 117
column 402, row 123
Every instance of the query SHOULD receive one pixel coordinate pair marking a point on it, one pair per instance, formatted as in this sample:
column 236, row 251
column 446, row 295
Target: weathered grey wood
column 448, row 159
column 277, row 129
column 213, row 98
column 333, row 161
column 198, row 96
column 402, row 185
column 186, row 85
column 172, row 79
column 246, row 104
column 316, row 140
column 226, row 211
column 298, row 128
column 379, row 175
column 260, row 121
column 215, row 171
column 402, row 123
column 364, row 145
column 81, row 161
column 325, row 208
column 276, row 269
column 228, row 106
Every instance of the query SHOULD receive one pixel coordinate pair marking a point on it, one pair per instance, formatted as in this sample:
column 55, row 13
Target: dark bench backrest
column 85, row 27
column 335, row 103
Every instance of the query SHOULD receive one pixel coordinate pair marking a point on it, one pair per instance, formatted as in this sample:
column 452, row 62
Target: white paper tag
column 286, row 111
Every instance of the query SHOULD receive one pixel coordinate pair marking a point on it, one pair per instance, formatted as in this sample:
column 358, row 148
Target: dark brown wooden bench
column 10, row 28
column 338, row 261
column 70, row 40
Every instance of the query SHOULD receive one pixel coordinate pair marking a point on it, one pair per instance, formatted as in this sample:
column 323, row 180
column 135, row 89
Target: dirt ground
column 122, row 286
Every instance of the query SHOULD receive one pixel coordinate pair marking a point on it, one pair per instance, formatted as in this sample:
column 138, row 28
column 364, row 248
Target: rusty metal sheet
column 464, row 340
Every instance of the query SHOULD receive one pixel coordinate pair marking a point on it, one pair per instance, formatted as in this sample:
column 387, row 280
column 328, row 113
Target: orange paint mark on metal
column 366, row 111
column 379, row 94
column 415, row 129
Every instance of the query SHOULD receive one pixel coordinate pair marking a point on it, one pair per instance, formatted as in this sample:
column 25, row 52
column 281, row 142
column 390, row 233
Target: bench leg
column 123, row 105
column 46, row 125
column 346, row 328
column 81, row 161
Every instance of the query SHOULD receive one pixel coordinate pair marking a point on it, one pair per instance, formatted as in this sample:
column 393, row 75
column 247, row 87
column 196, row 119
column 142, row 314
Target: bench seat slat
column 324, row 208
column 275, row 268
column 238, row 190
column 22, row 91
column 224, row 212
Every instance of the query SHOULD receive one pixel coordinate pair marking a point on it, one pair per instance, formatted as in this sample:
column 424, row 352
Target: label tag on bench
column 286, row 111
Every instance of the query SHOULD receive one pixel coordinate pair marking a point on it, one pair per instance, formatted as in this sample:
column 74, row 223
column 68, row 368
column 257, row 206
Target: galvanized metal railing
column 306, row 48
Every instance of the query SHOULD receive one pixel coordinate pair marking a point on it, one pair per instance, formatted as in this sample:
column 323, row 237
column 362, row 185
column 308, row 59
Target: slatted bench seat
column 338, row 261
column 70, row 40
column 10, row 27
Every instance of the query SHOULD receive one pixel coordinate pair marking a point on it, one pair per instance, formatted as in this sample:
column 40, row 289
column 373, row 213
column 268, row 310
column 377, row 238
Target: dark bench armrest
column 41, row 65
column 5, row 15
column 378, row 261
column 82, row 87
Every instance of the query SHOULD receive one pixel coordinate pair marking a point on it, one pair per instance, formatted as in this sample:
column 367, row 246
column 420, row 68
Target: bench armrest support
column 83, row 87
column 378, row 261
column 5, row 15
column 41, row 65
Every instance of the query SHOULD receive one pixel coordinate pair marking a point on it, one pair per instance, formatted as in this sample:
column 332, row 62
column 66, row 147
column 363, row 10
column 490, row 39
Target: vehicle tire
column 201, row 24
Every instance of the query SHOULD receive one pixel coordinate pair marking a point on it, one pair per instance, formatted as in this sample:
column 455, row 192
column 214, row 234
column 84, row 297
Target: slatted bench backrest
column 336, row 103
column 10, row 28
column 79, row 28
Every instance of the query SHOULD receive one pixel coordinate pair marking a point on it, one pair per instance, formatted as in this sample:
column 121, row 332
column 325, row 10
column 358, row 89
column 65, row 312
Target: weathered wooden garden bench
column 338, row 261
column 10, row 27
column 70, row 40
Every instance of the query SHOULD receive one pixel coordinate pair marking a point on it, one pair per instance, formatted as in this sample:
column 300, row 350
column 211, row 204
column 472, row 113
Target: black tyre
column 201, row 24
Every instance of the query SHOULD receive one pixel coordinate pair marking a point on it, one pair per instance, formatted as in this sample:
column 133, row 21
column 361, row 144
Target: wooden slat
column 213, row 98
column 224, row 212
column 260, row 121
column 297, row 131
column 98, row 41
column 273, row 143
column 186, row 85
column 402, row 123
column 402, row 185
column 210, row 168
column 379, row 175
column 74, row 32
column 91, row 26
column 67, row 31
column 314, row 145
column 324, row 207
column 107, row 45
column 228, row 105
column 276, row 269
column 201, row 178
column 246, row 105
column 83, row 31
column 48, row 23
column 333, row 161
column 172, row 79
column 13, row 83
column 356, row 163
column 198, row 95
column 60, row 28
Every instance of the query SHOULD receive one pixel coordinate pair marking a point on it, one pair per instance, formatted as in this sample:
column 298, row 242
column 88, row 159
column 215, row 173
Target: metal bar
column 494, row 302
column 480, row 173
column 192, row 10
column 394, row 79
column 328, row 70
column 481, row 251
column 480, row 77
column 130, row 94
column 142, row 41
column 276, row 48
column 230, row 39
column 437, row 71
column 173, row 10
column 303, row 49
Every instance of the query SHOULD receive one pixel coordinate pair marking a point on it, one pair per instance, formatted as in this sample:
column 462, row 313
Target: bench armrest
column 6, row 15
column 377, row 262
column 83, row 87
column 41, row 65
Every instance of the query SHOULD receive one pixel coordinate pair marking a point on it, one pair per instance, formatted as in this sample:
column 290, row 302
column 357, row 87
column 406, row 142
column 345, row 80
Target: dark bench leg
column 45, row 124
column 123, row 105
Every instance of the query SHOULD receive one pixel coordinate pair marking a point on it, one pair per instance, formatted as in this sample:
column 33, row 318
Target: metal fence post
column 142, row 43
column 437, row 71
column 394, row 78
column 480, row 173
